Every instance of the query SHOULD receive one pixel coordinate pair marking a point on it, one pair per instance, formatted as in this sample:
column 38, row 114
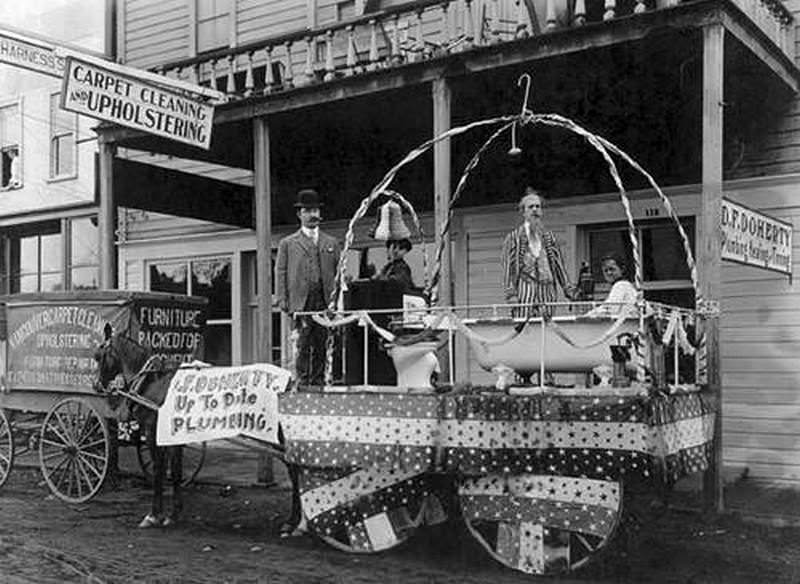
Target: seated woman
column 622, row 296
column 396, row 268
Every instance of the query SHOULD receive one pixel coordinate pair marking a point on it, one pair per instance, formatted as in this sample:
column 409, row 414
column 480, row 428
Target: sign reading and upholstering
column 105, row 93
column 210, row 403
column 753, row 238
column 30, row 53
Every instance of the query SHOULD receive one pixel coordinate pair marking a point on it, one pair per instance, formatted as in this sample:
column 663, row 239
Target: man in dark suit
column 305, row 278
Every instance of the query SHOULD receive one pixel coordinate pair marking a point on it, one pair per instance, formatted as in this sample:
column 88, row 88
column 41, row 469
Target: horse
column 123, row 364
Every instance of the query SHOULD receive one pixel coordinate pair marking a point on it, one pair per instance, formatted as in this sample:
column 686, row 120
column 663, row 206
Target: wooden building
column 702, row 93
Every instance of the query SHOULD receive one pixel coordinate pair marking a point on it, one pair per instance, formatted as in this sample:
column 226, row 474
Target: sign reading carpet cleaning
column 752, row 238
column 211, row 403
column 101, row 93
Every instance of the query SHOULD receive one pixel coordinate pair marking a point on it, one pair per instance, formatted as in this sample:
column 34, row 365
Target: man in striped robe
column 532, row 262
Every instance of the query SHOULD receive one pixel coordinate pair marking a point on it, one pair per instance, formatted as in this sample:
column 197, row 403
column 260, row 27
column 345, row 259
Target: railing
column 774, row 20
column 417, row 32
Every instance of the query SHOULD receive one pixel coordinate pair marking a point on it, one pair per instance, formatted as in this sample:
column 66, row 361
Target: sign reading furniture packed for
column 103, row 91
column 752, row 238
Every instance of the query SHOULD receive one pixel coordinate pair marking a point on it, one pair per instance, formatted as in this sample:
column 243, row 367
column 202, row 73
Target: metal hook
column 526, row 77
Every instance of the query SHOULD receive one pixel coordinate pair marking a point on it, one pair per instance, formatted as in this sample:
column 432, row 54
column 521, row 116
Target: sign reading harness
column 30, row 53
column 109, row 95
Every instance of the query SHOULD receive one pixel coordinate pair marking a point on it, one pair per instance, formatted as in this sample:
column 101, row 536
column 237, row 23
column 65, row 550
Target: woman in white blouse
column 622, row 295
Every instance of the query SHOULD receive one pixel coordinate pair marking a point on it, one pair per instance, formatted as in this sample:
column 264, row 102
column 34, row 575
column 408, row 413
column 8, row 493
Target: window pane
column 52, row 282
column 169, row 278
column 29, row 283
column 218, row 344
column 612, row 241
column 212, row 279
column 51, row 252
column 29, row 254
column 83, row 242
column 662, row 250
column 63, row 155
column 84, row 278
column 9, row 126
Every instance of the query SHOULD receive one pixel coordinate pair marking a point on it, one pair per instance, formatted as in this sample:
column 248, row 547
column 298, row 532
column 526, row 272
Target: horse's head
column 109, row 362
column 119, row 359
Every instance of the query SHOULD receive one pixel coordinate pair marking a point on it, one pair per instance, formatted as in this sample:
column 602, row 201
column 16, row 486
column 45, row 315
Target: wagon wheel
column 6, row 448
column 74, row 450
column 370, row 510
column 194, row 455
column 541, row 524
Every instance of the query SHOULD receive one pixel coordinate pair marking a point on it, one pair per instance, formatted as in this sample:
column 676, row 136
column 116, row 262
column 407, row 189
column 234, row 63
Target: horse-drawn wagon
column 48, row 399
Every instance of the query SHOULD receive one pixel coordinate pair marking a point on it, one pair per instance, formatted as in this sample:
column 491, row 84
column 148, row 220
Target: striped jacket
column 518, row 281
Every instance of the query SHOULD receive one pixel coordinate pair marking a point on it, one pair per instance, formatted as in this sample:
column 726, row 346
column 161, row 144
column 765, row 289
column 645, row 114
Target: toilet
column 415, row 363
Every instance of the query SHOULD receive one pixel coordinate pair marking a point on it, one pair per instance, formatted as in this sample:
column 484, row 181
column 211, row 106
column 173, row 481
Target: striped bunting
column 372, row 509
column 572, row 504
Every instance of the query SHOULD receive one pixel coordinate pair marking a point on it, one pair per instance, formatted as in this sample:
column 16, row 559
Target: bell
column 391, row 225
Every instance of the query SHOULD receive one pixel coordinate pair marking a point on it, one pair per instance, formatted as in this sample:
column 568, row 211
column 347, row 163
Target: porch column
column 106, row 216
column 262, row 193
column 442, row 97
column 709, row 256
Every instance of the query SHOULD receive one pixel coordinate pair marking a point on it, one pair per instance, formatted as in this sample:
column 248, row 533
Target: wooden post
column 442, row 98
column 263, row 199
column 262, row 194
column 106, row 220
column 709, row 264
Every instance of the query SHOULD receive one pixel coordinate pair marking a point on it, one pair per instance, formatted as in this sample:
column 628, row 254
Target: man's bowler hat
column 308, row 198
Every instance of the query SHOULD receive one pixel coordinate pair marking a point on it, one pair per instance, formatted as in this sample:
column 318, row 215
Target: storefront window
column 665, row 273
column 36, row 259
column 210, row 278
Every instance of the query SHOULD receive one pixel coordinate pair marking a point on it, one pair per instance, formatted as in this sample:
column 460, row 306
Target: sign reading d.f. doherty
column 109, row 95
column 752, row 238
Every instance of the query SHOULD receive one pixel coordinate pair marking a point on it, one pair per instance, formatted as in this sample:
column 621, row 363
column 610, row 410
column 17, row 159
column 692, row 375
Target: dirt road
column 228, row 536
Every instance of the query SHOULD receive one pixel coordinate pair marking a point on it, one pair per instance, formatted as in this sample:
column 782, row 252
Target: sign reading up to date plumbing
column 105, row 92
column 753, row 238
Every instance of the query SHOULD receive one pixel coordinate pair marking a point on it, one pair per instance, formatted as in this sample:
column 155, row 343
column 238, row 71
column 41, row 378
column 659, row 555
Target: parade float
column 542, row 463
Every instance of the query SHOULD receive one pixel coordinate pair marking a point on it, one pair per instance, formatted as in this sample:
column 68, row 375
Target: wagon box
column 49, row 338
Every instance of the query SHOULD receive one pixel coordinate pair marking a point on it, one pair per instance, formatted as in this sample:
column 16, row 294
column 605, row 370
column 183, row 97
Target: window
column 202, row 277
column 63, row 140
column 83, row 268
column 250, row 325
column 213, row 25
column 10, row 139
column 665, row 273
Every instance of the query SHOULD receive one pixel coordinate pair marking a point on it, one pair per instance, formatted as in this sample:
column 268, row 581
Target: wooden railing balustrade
column 416, row 32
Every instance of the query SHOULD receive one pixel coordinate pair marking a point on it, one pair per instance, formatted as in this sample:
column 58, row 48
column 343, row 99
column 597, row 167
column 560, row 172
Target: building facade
column 48, row 196
column 334, row 93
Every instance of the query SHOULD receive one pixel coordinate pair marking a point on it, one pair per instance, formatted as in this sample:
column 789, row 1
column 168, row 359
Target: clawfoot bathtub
column 497, row 344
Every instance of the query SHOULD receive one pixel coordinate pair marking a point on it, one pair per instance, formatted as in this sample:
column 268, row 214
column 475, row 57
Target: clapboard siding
column 760, row 345
column 257, row 20
column 155, row 32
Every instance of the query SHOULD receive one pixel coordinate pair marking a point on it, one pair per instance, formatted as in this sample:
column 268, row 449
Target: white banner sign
column 30, row 53
column 212, row 403
column 106, row 94
column 752, row 238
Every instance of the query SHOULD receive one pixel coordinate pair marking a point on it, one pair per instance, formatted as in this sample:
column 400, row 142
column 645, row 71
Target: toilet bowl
column 415, row 363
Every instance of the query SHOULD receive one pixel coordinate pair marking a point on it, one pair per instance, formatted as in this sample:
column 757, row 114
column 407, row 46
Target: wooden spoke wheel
column 74, row 450
column 541, row 524
column 370, row 510
column 6, row 448
column 194, row 455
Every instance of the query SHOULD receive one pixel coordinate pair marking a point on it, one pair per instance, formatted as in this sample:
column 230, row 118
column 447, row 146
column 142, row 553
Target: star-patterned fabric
column 531, row 467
